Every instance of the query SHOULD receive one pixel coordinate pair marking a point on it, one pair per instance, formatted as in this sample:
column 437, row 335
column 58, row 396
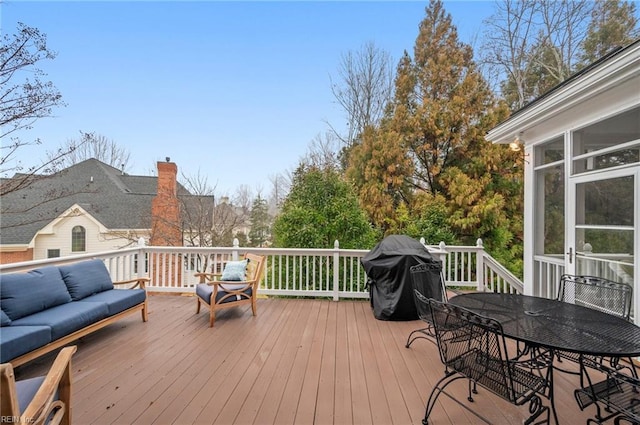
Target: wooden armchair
column 219, row 294
column 38, row 400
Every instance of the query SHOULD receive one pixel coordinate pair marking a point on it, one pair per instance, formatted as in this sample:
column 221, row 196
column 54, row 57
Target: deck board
column 297, row 362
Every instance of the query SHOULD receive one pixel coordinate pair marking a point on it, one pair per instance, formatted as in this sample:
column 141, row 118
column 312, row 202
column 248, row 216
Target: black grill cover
column 387, row 266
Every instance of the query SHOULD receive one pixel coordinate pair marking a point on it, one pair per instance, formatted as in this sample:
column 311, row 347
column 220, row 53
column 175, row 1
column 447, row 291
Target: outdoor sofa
column 48, row 307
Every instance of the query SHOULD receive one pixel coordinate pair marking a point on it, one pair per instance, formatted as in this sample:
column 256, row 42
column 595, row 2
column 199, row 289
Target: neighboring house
column 581, row 144
column 93, row 207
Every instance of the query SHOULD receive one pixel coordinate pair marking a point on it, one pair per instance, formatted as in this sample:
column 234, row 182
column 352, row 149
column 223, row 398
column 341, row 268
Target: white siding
column 95, row 240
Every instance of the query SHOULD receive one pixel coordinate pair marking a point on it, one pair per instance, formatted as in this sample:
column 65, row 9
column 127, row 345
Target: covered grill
column 387, row 266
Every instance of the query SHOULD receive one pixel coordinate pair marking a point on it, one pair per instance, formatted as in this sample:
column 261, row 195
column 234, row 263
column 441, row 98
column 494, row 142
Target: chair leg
column 145, row 311
column 198, row 306
column 424, row 333
column 212, row 317
column 253, row 306
column 448, row 378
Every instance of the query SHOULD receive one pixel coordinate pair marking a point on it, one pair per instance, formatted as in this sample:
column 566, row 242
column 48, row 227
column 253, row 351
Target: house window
column 53, row 253
column 609, row 143
column 550, row 197
column 78, row 239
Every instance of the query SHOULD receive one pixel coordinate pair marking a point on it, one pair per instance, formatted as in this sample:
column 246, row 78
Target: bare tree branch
column 363, row 88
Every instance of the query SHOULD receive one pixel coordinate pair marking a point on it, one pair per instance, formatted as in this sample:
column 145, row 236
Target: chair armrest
column 139, row 282
column 57, row 381
column 246, row 283
column 207, row 277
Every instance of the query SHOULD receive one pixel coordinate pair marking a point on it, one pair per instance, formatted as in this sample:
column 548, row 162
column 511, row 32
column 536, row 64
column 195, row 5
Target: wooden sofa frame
column 61, row 342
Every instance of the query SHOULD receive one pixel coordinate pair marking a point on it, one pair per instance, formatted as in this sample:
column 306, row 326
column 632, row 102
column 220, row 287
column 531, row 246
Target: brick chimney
column 165, row 208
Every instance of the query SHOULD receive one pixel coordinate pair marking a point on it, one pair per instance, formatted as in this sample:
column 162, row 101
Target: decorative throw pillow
column 4, row 319
column 86, row 278
column 234, row 270
column 22, row 294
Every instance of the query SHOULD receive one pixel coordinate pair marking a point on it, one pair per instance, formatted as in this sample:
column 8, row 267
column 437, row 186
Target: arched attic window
column 78, row 239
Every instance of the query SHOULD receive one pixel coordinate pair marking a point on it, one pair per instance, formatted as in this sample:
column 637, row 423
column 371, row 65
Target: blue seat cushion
column 22, row 294
column 205, row 291
column 27, row 389
column 18, row 340
column 86, row 278
column 118, row 300
column 66, row 318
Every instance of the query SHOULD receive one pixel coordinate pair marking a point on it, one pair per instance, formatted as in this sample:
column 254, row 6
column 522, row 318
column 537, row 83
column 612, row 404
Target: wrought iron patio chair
column 599, row 294
column 40, row 400
column 427, row 282
column 473, row 347
column 616, row 396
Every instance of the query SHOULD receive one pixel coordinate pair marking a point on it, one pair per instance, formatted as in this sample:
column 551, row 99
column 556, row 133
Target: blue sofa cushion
column 22, row 294
column 18, row 340
column 86, row 278
column 66, row 318
column 4, row 319
column 205, row 291
column 118, row 300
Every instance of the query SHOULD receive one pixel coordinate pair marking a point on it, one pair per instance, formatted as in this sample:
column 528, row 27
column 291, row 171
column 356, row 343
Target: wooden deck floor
column 297, row 362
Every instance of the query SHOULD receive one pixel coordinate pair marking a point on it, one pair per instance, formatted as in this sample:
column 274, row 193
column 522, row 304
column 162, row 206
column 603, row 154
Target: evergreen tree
column 428, row 166
column 613, row 23
column 320, row 209
column 440, row 113
column 259, row 233
column 379, row 168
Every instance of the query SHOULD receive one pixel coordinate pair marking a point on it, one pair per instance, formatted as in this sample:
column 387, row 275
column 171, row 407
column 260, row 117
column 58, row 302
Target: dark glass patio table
column 556, row 325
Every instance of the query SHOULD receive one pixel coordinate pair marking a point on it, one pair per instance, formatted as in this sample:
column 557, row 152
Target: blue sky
column 234, row 91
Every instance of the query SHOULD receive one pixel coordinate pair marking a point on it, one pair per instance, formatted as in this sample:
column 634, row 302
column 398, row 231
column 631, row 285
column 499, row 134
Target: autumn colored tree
column 379, row 168
column 442, row 100
column 427, row 170
column 428, row 219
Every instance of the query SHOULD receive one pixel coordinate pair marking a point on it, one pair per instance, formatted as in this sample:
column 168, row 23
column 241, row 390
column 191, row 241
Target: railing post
column 443, row 257
column 236, row 246
column 142, row 258
column 336, row 270
column 480, row 264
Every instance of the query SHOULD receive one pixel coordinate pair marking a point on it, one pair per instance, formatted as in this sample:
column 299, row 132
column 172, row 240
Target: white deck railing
column 335, row 273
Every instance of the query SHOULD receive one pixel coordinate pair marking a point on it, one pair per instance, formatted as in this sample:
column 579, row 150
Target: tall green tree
column 320, row 209
column 613, row 23
column 259, row 233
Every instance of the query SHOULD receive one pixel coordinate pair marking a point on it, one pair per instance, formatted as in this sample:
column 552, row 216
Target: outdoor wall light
column 516, row 145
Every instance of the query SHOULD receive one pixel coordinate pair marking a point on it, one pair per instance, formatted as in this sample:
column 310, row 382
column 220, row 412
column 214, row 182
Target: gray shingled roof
column 117, row 200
